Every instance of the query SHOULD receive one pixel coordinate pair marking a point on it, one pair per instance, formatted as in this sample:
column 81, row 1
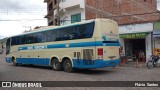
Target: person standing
column 141, row 56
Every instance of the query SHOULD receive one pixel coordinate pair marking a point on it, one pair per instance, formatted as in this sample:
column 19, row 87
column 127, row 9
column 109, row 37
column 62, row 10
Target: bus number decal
column 40, row 47
column 30, row 48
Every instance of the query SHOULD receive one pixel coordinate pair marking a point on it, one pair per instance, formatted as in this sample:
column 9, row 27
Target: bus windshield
column 8, row 46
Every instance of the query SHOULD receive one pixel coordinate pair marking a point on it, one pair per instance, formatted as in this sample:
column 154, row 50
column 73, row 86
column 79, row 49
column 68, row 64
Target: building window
column 55, row 2
column 50, row 6
column 75, row 18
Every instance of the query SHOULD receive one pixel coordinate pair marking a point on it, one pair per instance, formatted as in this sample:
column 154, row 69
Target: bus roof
column 53, row 27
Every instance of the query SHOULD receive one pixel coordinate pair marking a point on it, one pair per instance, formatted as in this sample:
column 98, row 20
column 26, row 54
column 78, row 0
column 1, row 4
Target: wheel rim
column 55, row 65
column 150, row 65
column 67, row 65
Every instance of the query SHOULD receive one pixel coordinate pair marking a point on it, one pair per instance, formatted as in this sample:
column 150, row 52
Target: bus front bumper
column 88, row 64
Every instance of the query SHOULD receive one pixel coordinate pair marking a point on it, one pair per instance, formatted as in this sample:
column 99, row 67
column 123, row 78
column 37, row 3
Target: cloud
column 26, row 12
column 158, row 4
column 22, row 7
column 16, row 4
column 10, row 3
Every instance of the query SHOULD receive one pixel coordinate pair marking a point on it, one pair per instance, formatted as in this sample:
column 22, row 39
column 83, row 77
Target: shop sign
column 136, row 28
column 133, row 35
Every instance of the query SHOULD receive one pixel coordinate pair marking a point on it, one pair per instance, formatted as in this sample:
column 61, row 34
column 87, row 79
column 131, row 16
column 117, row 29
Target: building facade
column 136, row 38
column 140, row 37
column 135, row 35
column 62, row 12
column 156, row 37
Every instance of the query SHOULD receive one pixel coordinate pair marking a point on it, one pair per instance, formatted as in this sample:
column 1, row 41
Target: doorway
column 134, row 47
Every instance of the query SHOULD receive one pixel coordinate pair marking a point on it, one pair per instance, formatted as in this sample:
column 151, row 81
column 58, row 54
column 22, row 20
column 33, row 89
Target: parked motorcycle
column 152, row 61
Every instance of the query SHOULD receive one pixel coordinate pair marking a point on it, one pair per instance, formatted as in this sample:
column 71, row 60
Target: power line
column 24, row 20
column 138, row 14
column 84, row 19
column 24, row 10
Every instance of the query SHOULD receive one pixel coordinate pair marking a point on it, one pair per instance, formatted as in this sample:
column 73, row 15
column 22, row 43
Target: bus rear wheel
column 56, row 65
column 67, row 66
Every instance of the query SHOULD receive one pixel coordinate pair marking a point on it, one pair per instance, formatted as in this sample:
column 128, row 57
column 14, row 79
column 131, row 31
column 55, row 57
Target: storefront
column 156, row 38
column 136, row 40
column 134, row 44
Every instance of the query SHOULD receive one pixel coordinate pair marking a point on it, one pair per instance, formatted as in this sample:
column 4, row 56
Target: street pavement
column 8, row 72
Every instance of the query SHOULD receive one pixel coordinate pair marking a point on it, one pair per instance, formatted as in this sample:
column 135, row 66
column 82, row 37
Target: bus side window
column 52, row 35
column 81, row 32
column 67, row 34
column 57, row 39
column 89, row 30
column 71, row 36
column 37, row 37
column 23, row 40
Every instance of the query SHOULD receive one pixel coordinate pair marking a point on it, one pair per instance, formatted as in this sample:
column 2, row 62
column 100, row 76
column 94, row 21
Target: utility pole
column 97, row 8
column 58, row 13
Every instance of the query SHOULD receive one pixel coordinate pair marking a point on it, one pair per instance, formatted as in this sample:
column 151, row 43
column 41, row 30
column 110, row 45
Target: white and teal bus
column 83, row 45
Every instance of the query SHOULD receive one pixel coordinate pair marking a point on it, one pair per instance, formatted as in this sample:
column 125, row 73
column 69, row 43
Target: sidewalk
column 133, row 64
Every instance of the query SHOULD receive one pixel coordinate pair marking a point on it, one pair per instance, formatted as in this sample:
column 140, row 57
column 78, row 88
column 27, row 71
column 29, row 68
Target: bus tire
column 14, row 62
column 56, row 65
column 67, row 66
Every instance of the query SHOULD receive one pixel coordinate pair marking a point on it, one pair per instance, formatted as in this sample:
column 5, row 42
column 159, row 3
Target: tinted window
column 51, row 35
column 85, row 31
column 24, row 39
column 41, row 37
column 15, row 41
column 30, row 39
column 68, row 33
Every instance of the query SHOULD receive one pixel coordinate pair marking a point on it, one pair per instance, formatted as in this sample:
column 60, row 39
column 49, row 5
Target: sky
column 16, row 16
column 158, row 4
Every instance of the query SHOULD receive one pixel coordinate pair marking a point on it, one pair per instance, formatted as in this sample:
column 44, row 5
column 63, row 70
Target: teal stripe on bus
column 95, row 63
column 70, row 45
column 34, row 61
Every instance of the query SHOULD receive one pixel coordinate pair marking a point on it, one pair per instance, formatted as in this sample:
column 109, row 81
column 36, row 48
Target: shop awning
column 134, row 35
column 156, row 33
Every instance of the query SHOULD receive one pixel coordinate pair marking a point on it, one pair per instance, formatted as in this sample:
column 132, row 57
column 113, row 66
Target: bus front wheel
column 67, row 65
column 14, row 63
column 56, row 65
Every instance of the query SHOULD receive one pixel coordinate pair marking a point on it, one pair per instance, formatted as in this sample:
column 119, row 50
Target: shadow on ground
column 78, row 71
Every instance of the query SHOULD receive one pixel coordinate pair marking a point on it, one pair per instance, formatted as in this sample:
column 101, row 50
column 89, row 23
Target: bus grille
column 87, row 56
